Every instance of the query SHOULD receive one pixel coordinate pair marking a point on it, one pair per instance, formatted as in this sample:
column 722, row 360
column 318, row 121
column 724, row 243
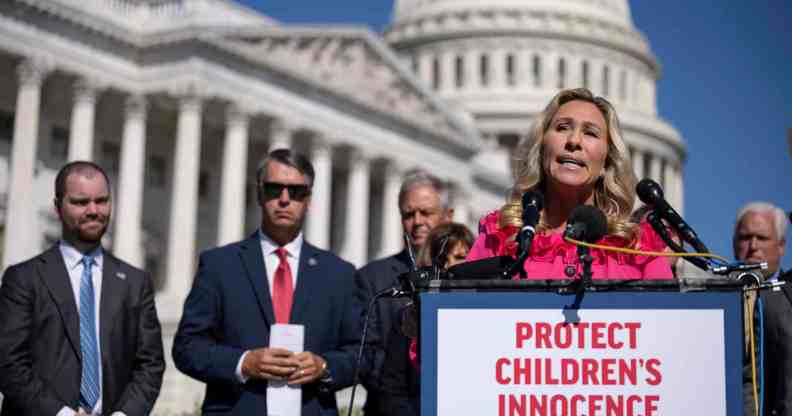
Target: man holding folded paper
column 269, row 324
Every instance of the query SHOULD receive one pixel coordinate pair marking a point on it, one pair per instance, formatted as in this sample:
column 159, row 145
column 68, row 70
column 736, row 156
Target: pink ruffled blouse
column 553, row 258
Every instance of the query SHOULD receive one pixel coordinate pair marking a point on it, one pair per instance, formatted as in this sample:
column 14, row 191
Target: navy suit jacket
column 391, row 381
column 778, row 348
column 40, row 355
column 229, row 310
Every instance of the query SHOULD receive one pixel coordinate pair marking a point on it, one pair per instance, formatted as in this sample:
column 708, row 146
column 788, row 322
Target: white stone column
column 21, row 222
column 128, row 238
column 425, row 64
column 81, row 139
column 655, row 164
column 392, row 230
column 448, row 71
column 472, row 72
column 669, row 183
column 638, row 163
column 318, row 220
column 461, row 204
column 355, row 247
column 231, row 220
column 184, row 206
column 497, row 69
column 679, row 189
column 280, row 135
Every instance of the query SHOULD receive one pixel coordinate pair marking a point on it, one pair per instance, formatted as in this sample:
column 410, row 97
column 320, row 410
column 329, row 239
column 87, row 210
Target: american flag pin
column 312, row 262
column 121, row 275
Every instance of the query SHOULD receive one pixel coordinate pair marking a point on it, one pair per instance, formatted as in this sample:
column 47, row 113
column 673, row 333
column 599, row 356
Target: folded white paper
column 283, row 399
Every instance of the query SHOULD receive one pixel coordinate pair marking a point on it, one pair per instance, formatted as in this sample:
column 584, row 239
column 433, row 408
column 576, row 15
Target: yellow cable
column 671, row 254
column 753, row 359
column 643, row 253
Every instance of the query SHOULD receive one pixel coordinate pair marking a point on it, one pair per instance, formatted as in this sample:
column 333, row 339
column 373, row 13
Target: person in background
column 79, row 333
column 390, row 381
column 448, row 243
column 760, row 236
column 273, row 277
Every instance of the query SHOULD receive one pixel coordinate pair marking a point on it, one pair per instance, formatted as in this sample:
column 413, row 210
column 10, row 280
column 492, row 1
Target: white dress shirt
column 271, row 262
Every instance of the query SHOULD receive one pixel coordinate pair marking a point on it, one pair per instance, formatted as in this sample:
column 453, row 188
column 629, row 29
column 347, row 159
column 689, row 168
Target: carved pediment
column 351, row 63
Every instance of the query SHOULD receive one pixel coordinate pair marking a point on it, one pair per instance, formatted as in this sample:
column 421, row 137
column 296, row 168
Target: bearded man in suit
column 79, row 332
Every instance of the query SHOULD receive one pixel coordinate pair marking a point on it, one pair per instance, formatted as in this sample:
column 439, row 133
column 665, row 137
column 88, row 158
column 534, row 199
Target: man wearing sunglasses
column 274, row 276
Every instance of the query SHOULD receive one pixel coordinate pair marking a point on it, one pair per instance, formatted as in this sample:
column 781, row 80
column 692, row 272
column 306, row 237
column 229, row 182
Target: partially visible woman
column 449, row 243
column 575, row 155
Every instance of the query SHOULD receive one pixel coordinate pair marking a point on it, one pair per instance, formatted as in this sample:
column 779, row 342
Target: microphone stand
column 586, row 275
column 517, row 266
column 657, row 224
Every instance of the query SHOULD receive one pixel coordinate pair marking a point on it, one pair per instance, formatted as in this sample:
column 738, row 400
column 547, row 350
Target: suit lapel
column 307, row 273
column 253, row 261
column 113, row 287
column 56, row 278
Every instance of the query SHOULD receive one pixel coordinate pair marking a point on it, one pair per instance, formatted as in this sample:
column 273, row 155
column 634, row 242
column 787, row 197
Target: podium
column 536, row 348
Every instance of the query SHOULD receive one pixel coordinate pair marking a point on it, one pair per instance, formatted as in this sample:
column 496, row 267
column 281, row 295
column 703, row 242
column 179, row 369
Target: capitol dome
column 501, row 61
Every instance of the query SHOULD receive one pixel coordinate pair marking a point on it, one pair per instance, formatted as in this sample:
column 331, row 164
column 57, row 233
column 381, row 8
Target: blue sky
column 726, row 72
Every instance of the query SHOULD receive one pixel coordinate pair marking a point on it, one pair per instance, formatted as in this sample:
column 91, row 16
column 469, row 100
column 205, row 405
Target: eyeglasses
column 297, row 192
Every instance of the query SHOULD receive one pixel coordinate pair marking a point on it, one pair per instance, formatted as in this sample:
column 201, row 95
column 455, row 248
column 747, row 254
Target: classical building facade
column 501, row 61
column 180, row 100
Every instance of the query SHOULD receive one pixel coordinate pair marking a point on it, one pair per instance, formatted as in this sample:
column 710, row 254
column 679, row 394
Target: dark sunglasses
column 273, row 190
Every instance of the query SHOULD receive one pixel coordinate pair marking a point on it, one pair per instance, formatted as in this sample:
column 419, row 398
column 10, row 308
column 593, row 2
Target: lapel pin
column 121, row 275
column 312, row 261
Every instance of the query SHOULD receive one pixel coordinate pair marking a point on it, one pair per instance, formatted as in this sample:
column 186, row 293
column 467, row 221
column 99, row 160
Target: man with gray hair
column 759, row 236
column 389, row 378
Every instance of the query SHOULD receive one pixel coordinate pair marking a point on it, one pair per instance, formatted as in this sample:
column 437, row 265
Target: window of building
column 59, row 142
column 561, row 73
column 435, row 73
column 484, row 70
column 585, row 74
column 623, row 85
column 6, row 126
column 459, row 71
column 537, row 71
column 511, row 78
column 606, row 81
column 155, row 171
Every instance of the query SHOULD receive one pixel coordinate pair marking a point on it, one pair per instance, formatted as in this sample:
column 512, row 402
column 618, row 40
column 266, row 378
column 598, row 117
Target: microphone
column 651, row 194
column 532, row 205
column 586, row 223
column 407, row 280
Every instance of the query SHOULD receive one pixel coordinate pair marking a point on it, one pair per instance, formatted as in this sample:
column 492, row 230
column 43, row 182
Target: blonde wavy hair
column 614, row 192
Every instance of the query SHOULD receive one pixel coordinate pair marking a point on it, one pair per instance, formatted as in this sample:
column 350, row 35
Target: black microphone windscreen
column 532, row 205
column 596, row 224
column 489, row 268
column 649, row 192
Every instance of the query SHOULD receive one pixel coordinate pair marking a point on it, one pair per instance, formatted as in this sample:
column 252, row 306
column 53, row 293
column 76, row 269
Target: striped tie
column 89, row 387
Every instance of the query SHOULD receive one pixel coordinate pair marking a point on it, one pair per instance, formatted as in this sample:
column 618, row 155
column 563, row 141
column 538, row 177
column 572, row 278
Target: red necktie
column 282, row 290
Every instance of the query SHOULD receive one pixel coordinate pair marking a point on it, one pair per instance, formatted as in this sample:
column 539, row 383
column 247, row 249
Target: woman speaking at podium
column 575, row 156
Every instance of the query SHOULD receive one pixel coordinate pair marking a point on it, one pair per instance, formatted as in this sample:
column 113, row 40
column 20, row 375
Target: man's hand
column 311, row 367
column 270, row 364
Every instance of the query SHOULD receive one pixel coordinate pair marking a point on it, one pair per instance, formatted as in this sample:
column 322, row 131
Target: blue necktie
column 89, row 387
